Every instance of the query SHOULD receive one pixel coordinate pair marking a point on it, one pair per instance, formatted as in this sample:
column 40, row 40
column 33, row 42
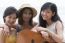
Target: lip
column 11, row 23
column 45, row 16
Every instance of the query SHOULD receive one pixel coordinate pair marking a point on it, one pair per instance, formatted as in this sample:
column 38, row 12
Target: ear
column 4, row 19
column 53, row 14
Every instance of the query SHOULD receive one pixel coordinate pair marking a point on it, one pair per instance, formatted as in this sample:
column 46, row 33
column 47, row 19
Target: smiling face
column 10, row 19
column 47, row 14
column 27, row 14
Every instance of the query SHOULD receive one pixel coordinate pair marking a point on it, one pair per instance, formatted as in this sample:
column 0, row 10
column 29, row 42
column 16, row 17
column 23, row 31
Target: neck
column 26, row 23
column 49, row 22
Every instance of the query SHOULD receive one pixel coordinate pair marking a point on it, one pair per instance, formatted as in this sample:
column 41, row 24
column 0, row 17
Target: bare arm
column 1, row 35
column 58, row 37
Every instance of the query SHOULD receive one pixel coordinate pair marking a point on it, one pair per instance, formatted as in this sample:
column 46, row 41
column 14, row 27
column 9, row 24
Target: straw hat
column 28, row 5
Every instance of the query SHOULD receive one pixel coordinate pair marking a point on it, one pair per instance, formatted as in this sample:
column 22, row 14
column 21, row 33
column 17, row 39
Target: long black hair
column 53, row 8
column 20, row 13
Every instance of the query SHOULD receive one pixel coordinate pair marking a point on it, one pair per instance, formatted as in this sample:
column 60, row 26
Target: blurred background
column 36, row 4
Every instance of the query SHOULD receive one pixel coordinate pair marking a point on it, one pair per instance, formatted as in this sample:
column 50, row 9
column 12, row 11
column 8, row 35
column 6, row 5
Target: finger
column 34, row 29
column 37, row 25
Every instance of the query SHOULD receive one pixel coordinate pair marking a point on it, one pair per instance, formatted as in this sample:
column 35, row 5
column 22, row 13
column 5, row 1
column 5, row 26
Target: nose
column 27, row 14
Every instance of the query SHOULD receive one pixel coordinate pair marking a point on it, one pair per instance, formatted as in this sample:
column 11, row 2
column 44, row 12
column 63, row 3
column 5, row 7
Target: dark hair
column 53, row 8
column 8, row 11
column 20, row 13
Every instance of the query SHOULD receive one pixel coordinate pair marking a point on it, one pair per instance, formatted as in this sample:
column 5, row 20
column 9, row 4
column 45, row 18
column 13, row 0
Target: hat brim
column 33, row 9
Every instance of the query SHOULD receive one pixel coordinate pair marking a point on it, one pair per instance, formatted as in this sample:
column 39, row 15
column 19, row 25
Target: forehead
column 27, row 10
column 48, row 9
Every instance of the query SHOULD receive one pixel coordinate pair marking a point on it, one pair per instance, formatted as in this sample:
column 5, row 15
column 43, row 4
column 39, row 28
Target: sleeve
column 18, row 28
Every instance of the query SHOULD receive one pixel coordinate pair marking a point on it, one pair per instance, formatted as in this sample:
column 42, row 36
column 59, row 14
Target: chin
column 44, row 19
column 10, row 25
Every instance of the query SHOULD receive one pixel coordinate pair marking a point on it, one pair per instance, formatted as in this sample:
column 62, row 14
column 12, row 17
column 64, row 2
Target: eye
column 30, row 13
column 14, row 17
column 48, row 11
column 24, row 13
column 9, row 16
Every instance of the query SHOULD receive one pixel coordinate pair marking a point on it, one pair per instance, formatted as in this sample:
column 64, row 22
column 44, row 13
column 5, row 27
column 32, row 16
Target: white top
column 52, row 28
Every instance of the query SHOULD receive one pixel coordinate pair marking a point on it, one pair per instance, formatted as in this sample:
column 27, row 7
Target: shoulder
column 2, row 25
column 59, row 25
column 1, row 30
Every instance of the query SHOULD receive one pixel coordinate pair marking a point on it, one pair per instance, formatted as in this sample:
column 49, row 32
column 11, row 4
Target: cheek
column 30, row 16
column 42, row 14
column 13, row 20
column 50, row 16
column 7, row 20
column 26, row 16
column 23, row 16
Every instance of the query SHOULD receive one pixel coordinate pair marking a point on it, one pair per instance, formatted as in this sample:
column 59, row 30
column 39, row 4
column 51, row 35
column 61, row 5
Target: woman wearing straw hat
column 25, row 17
column 26, row 35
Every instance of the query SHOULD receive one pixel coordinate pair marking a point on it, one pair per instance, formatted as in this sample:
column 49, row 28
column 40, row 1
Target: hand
column 37, row 28
column 34, row 29
column 44, row 34
column 41, row 29
column 6, row 28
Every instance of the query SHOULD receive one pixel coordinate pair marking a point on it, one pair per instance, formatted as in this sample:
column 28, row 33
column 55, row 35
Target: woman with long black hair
column 50, row 23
